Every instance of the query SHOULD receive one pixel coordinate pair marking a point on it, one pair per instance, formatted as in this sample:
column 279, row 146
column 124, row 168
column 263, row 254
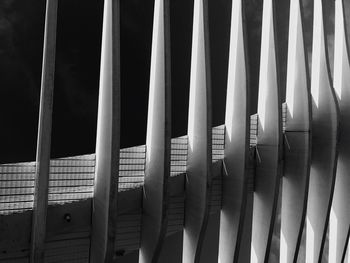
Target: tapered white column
column 346, row 251
column 155, row 197
column 199, row 159
column 267, row 178
column 104, row 214
column 340, row 211
column 237, row 123
column 297, row 146
column 324, row 142
column 43, row 151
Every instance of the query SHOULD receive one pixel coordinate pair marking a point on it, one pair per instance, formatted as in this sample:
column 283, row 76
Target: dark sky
column 78, row 63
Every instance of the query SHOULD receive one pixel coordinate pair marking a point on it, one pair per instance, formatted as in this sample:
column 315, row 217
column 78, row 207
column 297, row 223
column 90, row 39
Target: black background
column 78, row 62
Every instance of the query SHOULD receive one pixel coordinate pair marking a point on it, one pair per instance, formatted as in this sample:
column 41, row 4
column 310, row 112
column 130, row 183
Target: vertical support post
column 43, row 152
column 340, row 211
column 267, row 177
column 297, row 145
column 346, row 250
column 104, row 214
column 237, row 124
column 199, row 159
column 155, row 198
column 324, row 142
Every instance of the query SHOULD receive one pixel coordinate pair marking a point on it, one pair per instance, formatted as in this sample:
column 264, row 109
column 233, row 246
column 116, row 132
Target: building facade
column 289, row 162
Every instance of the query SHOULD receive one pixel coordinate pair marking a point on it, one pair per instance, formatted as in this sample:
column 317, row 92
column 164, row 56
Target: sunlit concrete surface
column 213, row 194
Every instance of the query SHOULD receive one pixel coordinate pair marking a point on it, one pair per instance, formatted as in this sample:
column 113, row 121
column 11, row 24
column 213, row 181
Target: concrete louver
column 319, row 181
column 157, row 171
column 268, row 167
column 340, row 211
column 346, row 253
column 233, row 219
column 324, row 142
column 297, row 145
column 104, row 212
column 268, row 172
column 198, row 178
column 42, row 171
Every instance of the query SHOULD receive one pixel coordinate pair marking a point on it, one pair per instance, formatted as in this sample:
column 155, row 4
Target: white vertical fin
column 43, row 150
column 267, row 178
column 199, row 139
column 237, row 123
column 297, row 150
column 324, row 142
column 155, row 199
column 340, row 212
column 104, row 214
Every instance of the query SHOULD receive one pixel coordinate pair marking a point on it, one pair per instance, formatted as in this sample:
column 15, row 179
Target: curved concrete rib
column 199, row 139
column 324, row 142
column 267, row 178
column 340, row 211
column 297, row 147
column 346, row 249
column 104, row 214
column 43, row 150
column 155, row 198
column 237, row 123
